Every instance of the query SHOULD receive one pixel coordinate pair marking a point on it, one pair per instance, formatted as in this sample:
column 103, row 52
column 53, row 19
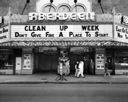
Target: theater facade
column 33, row 43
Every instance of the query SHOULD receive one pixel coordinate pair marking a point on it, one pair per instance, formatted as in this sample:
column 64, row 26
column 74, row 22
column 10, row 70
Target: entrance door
column 73, row 59
column 47, row 62
column 87, row 57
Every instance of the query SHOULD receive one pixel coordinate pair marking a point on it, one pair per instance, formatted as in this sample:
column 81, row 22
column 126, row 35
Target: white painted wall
column 87, row 3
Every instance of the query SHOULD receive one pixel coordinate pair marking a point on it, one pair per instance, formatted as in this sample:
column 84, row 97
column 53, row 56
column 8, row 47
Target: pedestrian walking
column 81, row 69
column 106, row 69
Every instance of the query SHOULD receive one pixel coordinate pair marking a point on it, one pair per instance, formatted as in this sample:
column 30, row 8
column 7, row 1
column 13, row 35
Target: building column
column 99, row 60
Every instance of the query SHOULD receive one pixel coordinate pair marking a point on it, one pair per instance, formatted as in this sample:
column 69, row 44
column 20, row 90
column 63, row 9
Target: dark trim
column 66, row 22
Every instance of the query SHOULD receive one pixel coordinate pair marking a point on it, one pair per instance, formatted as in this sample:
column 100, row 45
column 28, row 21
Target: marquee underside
column 64, row 43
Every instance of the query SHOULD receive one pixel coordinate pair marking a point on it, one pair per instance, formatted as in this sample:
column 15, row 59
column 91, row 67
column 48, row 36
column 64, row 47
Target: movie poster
column 27, row 61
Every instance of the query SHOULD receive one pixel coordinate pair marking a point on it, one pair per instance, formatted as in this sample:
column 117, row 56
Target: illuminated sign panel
column 52, row 31
column 121, row 33
column 4, row 34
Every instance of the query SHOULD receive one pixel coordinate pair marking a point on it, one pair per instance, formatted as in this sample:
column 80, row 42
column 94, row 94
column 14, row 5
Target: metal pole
column 101, row 8
column 75, row 7
column 50, row 7
column 24, row 8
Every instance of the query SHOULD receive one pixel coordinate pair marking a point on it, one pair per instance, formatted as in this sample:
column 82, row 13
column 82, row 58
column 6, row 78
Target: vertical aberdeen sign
column 121, row 33
column 4, row 34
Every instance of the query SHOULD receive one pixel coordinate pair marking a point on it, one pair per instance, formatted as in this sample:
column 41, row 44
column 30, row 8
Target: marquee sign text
column 52, row 31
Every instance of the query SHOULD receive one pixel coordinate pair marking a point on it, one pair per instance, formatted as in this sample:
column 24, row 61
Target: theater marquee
column 52, row 31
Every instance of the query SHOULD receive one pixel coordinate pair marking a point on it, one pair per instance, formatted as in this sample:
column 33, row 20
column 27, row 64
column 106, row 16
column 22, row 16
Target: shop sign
column 79, row 49
column 84, row 16
column 4, row 34
column 53, row 31
column 48, row 49
column 26, row 50
column 121, row 33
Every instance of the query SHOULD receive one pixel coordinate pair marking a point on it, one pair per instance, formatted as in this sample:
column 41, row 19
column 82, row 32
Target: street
column 63, row 93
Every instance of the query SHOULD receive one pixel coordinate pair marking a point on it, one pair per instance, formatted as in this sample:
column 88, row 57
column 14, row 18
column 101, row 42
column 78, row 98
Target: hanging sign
column 121, row 33
column 4, row 34
column 52, row 31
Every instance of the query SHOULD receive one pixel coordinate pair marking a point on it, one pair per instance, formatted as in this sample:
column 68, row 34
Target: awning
column 64, row 42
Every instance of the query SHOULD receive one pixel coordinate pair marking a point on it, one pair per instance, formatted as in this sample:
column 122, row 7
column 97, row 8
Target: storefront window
column 122, row 61
column 6, row 60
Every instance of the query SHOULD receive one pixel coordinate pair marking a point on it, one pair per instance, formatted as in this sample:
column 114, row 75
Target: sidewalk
column 51, row 78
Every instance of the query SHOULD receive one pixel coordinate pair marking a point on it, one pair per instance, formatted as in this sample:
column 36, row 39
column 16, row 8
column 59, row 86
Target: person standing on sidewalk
column 81, row 69
column 76, row 68
column 91, row 67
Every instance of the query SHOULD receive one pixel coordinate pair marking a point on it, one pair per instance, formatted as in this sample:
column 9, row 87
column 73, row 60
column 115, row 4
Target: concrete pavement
column 51, row 78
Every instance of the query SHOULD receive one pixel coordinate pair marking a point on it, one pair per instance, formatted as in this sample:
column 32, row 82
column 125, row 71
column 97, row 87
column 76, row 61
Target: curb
column 62, row 82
